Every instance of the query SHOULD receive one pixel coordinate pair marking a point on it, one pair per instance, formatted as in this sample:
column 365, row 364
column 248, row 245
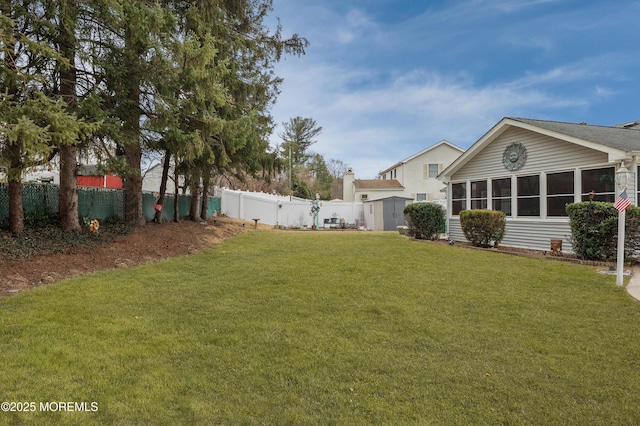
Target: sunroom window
column 602, row 181
column 559, row 193
column 529, row 195
column 501, row 195
column 458, row 198
column 479, row 195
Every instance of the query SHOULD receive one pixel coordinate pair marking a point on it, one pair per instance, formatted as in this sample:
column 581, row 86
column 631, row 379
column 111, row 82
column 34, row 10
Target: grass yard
column 278, row 327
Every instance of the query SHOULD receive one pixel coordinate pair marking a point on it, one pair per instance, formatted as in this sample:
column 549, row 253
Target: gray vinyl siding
column 543, row 154
column 530, row 234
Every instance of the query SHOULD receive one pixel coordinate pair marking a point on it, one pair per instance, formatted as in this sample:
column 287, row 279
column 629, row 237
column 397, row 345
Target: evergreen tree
column 192, row 79
column 299, row 134
column 217, row 122
column 66, row 45
column 32, row 124
column 132, row 59
column 322, row 179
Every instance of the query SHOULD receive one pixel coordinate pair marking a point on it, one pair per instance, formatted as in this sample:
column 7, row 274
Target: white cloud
column 393, row 120
column 371, row 128
column 385, row 90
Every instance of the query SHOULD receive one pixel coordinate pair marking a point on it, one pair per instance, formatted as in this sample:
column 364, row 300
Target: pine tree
column 32, row 124
column 299, row 134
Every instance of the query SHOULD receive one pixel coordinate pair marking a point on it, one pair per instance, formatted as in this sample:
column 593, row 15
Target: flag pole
column 620, row 264
column 621, row 204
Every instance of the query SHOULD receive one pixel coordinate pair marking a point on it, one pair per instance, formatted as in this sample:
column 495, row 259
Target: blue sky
column 388, row 78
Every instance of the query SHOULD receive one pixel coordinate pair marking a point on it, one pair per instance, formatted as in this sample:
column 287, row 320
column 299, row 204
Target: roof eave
column 613, row 154
column 417, row 154
column 487, row 138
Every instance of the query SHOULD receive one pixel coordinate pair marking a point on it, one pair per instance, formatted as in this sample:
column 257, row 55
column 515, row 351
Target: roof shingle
column 625, row 138
column 377, row 184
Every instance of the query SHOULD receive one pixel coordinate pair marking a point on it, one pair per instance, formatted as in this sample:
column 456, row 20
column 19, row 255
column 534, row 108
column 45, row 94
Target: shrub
column 594, row 230
column 40, row 219
column 424, row 220
column 483, row 228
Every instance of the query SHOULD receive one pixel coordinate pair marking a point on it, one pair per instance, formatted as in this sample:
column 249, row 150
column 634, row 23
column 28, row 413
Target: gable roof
column 619, row 142
column 406, row 160
column 626, row 138
column 377, row 184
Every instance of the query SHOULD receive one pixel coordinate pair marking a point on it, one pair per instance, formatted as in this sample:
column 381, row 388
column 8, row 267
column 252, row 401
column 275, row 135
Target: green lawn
column 279, row 327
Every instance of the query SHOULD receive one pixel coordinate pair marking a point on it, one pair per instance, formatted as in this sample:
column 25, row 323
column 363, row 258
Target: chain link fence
column 41, row 199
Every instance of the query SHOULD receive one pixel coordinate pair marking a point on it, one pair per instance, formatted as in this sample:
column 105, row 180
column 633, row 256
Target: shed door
column 393, row 211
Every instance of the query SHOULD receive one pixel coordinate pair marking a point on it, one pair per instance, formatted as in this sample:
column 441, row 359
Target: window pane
column 433, row 170
column 501, row 187
column 458, row 206
column 504, row 205
column 560, row 183
column 458, row 197
column 421, row 197
column 556, row 206
column 528, row 186
column 599, row 180
column 479, row 204
column 459, row 191
column 528, row 196
column 479, row 189
column 529, row 206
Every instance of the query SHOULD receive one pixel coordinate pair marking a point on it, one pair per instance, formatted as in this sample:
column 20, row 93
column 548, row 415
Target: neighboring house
column 361, row 190
column 418, row 174
column 412, row 179
column 531, row 169
column 92, row 176
column 153, row 176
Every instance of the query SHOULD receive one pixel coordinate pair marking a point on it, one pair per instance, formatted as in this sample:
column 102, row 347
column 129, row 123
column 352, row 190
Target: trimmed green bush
column 424, row 220
column 594, row 230
column 483, row 228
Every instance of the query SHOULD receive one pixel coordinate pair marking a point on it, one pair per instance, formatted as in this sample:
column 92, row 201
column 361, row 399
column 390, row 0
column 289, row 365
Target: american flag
column 623, row 202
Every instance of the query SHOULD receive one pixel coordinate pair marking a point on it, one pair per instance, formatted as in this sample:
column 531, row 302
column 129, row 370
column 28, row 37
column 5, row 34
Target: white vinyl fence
column 284, row 211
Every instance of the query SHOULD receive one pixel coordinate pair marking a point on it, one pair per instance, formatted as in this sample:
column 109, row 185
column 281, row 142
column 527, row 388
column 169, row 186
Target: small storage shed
column 385, row 214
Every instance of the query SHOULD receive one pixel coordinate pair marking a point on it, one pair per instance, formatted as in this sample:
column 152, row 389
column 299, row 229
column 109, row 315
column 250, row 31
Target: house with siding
column 361, row 190
column 531, row 169
column 418, row 174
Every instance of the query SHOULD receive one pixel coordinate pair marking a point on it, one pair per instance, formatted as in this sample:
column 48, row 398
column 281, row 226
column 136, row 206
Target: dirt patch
column 149, row 243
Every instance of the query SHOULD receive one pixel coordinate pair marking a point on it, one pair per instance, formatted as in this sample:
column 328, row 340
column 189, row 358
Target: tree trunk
column 133, row 155
column 204, row 210
column 176, row 196
column 133, row 186
column 129, row 112
column 16, row 212
column 163, row 186
column 13, row 151
column 68, row 198
column 195, row 201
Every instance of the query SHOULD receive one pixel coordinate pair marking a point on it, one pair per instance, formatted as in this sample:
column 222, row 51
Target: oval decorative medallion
column 514, row 157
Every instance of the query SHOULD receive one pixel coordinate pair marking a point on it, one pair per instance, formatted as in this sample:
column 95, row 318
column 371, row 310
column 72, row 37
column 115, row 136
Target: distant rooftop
column 377, row 184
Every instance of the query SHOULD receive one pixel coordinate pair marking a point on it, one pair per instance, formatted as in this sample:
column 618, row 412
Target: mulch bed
column 539, row 254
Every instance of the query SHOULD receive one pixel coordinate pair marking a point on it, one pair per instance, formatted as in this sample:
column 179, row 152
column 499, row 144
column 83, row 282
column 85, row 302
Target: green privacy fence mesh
column 101, row 204
column 149, row 201
column 93, row 203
